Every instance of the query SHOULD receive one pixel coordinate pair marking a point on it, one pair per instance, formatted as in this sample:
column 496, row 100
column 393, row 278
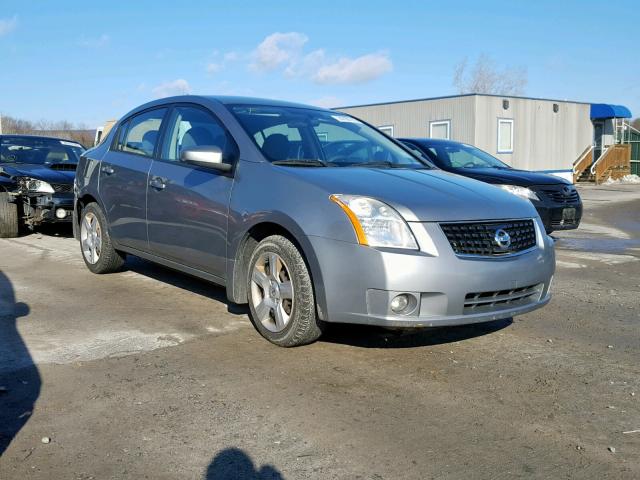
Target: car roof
column 20, row 135
column 234, row 100
column 225, row 100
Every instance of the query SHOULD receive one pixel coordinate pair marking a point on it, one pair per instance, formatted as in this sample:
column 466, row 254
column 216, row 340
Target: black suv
column 556, row 200
column 36, row 181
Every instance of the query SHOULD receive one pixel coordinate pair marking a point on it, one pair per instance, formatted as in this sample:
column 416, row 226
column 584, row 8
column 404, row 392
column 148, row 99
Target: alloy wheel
column 272, row 292
column 91, row 238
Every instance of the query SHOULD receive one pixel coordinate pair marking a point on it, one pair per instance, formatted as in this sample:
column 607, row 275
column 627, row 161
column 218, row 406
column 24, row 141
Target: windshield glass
column 459, row 155
column 300, row 136
column 39, row 151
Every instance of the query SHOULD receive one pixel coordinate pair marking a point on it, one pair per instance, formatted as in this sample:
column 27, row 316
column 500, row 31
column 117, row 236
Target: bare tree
column 636, row 123
column 485, row 77
column 62, row 129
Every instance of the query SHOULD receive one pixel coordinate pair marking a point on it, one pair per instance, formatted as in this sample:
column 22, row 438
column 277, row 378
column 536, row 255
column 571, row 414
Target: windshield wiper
column 387, row 164
column 300, row 163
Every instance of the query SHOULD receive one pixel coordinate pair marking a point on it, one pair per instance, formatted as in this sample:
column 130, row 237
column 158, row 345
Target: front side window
column 440, row 129
column 142, row 133
column 38, row 150
column 505, row 135
column 295, row 135
column 194, row 127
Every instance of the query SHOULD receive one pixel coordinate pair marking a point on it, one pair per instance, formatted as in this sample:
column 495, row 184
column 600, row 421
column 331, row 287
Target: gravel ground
column 151, row 374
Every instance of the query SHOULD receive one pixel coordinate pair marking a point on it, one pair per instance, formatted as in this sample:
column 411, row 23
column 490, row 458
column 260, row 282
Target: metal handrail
column 633, row 128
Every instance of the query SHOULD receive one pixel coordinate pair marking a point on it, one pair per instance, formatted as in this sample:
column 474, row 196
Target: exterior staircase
column 614, row 162
column 586, row 176
column 581, row 167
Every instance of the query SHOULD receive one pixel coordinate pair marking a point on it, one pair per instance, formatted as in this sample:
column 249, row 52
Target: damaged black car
column 36, row 181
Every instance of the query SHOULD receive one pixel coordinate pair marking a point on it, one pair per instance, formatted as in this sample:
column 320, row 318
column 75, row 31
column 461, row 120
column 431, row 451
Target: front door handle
column 158, row 183
column 108, row 169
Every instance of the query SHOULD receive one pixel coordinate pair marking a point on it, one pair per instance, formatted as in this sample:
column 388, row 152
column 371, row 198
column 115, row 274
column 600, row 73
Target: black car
column 556, row 200
column 36, row 181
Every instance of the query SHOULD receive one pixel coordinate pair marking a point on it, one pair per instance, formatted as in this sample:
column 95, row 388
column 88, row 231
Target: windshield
column 308, row 137
column 39, row 151
column 460, row 155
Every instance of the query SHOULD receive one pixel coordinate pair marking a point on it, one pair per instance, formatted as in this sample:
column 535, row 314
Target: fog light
column 61, row 213
column 399, row 303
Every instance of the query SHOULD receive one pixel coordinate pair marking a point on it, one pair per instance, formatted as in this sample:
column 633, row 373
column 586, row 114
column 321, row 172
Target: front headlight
column 35, row 185
column 522, row 192
column 376, row 223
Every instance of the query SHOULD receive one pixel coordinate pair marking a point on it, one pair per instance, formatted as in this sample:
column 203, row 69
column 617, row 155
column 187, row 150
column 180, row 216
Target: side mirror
column 207, row 156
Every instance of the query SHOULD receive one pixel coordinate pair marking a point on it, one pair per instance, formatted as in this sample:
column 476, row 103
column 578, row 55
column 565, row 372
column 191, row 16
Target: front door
column 123, row 178
column 187, row 206
column 598, row 133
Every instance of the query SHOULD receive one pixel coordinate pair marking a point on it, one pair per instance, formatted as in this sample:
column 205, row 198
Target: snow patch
column 627, row 179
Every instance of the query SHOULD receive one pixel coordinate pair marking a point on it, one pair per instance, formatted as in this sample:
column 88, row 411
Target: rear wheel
column 97, row 250
column 280, row 294
column 9, row 221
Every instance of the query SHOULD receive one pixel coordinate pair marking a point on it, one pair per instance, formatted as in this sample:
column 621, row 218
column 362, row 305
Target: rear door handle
column 158, row 183
column 108, row 169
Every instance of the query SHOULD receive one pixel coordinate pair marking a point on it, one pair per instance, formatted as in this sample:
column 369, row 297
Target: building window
column 386, row 129
column 440, row 129
column 505, row 135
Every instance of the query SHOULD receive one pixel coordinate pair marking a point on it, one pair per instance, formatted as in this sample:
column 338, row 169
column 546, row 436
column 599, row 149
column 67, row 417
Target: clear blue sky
column 89, row 61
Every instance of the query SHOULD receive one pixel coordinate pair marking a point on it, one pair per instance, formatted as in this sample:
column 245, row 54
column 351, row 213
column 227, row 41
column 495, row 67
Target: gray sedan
column 308, row 215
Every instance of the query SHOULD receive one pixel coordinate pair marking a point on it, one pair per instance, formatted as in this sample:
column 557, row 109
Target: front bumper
column 41, row 208
column 360, row 281
column 552, row 215
column 552, row 205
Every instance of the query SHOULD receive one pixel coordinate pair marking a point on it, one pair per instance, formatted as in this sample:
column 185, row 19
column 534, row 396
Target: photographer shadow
column 19, row 377
column 235, row 464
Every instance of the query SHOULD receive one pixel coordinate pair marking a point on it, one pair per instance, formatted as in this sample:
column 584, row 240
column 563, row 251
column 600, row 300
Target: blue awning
column 604, row 110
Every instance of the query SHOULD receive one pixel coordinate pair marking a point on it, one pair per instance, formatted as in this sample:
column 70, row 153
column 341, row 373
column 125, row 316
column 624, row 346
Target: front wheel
column 9, row 220
column 95, row 243
column 280, row 294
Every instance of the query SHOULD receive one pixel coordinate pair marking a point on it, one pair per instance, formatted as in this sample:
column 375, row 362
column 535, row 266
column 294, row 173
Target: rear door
column 124, row 174
column 187, row 206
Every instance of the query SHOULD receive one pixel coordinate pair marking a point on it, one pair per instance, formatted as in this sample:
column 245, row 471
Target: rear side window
column 140, row 134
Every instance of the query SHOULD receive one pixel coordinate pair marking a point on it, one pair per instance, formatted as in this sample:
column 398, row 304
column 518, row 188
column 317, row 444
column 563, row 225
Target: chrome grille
column 500, row 299
column 480, row 238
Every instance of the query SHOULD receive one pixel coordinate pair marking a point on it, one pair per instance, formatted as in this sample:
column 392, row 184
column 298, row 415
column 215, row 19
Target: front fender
column 236, row 290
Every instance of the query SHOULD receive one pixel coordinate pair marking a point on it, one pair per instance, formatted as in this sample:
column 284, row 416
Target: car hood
column 511, row 176
column 421, row 195
column 41, row 172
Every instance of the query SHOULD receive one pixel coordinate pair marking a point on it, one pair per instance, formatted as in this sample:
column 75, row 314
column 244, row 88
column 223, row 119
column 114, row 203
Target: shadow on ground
column 19, row 378
column 185, row 282
column 235, row 464
column 376, row 337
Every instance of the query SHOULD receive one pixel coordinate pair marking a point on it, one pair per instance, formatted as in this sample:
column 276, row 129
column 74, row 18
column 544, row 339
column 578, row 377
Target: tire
column 9, row 221
column 287, row 294
column 95, row 244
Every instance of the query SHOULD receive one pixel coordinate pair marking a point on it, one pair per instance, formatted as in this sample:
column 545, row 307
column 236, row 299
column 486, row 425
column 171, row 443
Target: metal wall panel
column 543, row 139
column 411, row 119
